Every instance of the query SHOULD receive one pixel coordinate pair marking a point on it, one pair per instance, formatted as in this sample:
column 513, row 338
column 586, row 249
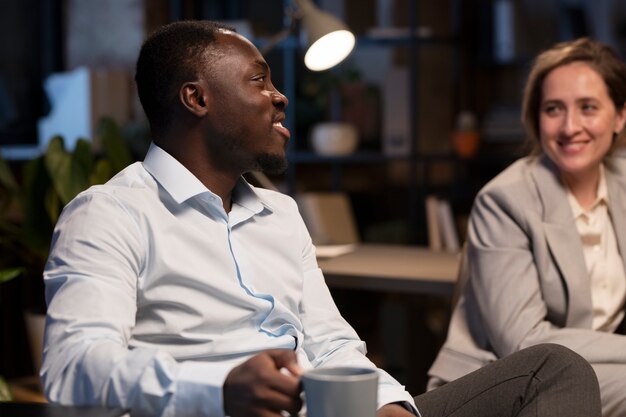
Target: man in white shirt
column 177, row 289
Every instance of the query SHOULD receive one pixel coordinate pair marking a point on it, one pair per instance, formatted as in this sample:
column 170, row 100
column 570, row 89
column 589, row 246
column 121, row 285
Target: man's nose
column 279, row 99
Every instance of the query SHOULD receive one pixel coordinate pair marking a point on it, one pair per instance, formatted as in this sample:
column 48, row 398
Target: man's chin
column 272, row 164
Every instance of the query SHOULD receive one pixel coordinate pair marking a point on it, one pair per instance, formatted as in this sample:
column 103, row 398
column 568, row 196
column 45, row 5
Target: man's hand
column 393, row 410
column 257, row 387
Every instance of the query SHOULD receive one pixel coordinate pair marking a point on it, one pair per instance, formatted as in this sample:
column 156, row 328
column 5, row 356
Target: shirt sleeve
column 92, row 274
column 329, row 340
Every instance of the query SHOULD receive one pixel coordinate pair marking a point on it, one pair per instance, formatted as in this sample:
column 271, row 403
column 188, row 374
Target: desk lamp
column 328, row 39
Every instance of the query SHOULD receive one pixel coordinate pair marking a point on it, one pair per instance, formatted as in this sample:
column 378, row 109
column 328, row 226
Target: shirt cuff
column 409, row 407
column 391, row 395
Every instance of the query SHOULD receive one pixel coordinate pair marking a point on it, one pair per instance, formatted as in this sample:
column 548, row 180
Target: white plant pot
column 334, row 138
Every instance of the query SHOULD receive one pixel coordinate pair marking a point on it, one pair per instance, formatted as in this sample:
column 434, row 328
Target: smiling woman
column 547, row 237
column 578, row 122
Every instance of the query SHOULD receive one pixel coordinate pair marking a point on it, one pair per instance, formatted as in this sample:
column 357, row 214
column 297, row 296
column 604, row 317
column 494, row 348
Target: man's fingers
column 261, row 386
column 277, row 401
column 284, row 358
column 286, row 386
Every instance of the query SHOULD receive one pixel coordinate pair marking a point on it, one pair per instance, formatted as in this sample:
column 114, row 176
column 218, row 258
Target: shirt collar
column 182, row 185
column 602, row 196
column 177, row 180
column 247, row 196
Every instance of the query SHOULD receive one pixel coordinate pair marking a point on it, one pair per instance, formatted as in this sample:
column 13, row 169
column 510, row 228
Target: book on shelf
column 442, row 233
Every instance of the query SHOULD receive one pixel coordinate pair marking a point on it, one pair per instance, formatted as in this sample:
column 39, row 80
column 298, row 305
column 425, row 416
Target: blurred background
column 426, row 106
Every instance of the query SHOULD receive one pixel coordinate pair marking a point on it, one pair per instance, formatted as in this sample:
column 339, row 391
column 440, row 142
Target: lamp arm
column 275, row 40
column 294, row 15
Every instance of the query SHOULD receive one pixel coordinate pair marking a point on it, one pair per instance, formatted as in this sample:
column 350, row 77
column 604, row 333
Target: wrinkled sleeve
column 329, row 339
column 92, row 276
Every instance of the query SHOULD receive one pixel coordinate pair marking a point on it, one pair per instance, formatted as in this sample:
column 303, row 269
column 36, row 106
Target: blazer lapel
column 564, row 242
column 616, row 187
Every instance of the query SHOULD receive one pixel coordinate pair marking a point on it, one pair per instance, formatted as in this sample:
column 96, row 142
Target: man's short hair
column 170, row 56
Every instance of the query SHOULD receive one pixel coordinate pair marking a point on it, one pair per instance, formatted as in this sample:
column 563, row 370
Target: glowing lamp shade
column 329, row 40
column 329, row 50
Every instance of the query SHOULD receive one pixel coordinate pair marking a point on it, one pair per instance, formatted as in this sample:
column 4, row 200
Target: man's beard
column 271, row 164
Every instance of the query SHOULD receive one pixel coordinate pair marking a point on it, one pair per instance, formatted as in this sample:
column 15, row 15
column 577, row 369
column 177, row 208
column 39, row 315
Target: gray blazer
column 527, row 282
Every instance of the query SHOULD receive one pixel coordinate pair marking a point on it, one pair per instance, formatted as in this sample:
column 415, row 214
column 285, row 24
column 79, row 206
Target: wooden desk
column 402, row 342
column 393, row 268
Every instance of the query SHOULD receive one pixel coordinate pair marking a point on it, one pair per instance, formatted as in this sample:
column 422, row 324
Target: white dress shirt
column 604, row 263
column 155, row 293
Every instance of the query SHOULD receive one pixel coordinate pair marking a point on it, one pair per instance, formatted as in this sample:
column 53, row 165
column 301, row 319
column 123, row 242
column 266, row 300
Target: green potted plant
column 30, row 207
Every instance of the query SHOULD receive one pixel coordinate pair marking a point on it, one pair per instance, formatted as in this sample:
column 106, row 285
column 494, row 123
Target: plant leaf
column 69, row 171
column 102, row 172
column 9, row 189
column 5, row 392
column 37, row 225
column 115, row 147
column 82, row 158
column 6, row 177
column 10, row 273
column 52, row 205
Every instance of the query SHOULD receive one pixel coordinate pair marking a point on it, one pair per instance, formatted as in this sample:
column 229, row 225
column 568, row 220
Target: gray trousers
column 543, row 380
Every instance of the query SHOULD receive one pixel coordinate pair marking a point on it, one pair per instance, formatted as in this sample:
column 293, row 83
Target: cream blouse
column 604, row 264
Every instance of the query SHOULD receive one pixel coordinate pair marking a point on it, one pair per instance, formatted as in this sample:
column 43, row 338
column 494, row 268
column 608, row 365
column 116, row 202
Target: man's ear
column 193, row 96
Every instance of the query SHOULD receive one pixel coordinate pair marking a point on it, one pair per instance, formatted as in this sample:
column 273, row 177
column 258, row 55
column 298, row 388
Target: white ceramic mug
column 341, row 392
